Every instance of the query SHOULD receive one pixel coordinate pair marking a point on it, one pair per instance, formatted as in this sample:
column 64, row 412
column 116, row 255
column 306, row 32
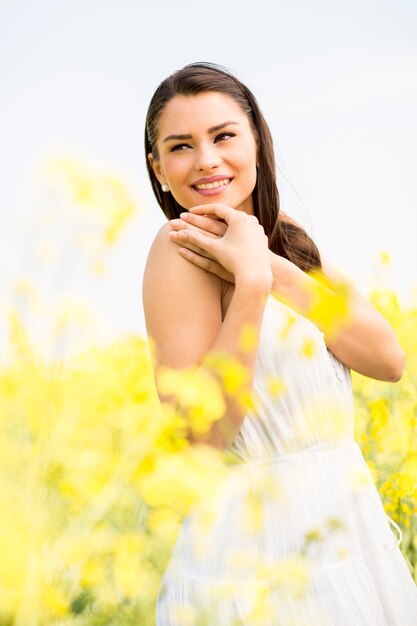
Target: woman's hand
column 212, row 227
column 206, row 225
column 209, row 224
column 242, row 249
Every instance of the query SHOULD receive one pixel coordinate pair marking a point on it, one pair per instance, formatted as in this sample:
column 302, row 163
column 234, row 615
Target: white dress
column 297, row 459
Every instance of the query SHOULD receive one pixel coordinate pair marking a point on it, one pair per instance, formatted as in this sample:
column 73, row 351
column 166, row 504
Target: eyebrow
column 212, row 129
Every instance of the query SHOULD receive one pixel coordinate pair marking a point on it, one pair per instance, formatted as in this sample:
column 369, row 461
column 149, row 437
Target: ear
column 156, row 166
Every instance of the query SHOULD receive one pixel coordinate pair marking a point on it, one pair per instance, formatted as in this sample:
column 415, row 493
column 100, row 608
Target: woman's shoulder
column 163, row 253
column 164, row 256
column 170, row 272
column 181, row 302
column 161, row 241
column 162, row 233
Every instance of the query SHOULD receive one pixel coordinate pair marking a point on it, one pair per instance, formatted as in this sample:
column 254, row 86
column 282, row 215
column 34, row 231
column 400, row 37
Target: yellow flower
column 196, row 391
column 359, row 477
column 275, row 386
column 94, row 572
column 184, row 614
column 98, row 194
column 308, row 348
column 385, row 258
column 131, row 573
column 290, row 320
column 329, row 304
column 233, row 376
column 177, row 479
column 293, row 573
column 163, row 521
column 248, row 338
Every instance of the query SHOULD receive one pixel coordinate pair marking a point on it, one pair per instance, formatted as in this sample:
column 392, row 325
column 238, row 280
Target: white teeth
column 217, row 183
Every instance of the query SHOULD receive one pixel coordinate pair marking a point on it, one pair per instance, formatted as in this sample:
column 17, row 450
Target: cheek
column 249, row 163
column 242, row 160
column 175, row 170
column 247, row 155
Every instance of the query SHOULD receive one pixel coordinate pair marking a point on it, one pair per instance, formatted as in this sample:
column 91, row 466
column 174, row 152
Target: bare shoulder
column 182, row 304
column 164, row 263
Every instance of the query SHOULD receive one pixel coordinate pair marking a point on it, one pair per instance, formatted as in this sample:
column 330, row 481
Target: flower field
column 96, row 476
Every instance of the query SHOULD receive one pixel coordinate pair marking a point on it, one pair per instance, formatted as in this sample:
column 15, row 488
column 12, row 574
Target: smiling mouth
column 214, row 185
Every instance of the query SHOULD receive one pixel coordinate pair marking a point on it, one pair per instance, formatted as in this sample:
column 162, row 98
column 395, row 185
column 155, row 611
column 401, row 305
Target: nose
column 207, row 157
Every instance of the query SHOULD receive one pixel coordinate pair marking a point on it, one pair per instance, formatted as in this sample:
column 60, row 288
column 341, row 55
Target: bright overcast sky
column 337, row 81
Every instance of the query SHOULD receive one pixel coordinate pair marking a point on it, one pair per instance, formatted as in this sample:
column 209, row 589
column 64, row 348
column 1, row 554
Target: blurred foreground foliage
column 386, row 426
column 96, row 476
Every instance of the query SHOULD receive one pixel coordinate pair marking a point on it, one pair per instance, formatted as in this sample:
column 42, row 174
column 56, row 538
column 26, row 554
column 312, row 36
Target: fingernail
column 175, row 222
column 184, row 216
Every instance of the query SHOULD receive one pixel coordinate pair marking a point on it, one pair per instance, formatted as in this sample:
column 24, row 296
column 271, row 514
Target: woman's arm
column 182, row 306
column 367, row 344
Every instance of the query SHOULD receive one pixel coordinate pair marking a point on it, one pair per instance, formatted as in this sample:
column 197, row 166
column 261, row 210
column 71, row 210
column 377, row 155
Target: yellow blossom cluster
column 96, row 476
column 91, row 206
column 386, row 427
column 95, row 479
column 99, row 194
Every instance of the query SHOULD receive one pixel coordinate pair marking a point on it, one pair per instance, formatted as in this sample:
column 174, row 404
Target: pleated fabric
column 299, row 536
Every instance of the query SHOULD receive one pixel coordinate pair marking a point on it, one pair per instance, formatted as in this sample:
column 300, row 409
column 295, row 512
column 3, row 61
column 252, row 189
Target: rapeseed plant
column 97, row 476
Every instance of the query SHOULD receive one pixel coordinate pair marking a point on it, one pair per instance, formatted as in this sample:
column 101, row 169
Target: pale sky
column 336, row 80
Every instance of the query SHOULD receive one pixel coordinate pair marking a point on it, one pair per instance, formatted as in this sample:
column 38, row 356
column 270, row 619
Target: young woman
column 209, row 275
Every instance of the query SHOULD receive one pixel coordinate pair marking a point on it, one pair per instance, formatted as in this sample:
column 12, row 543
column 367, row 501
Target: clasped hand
column 222, row 240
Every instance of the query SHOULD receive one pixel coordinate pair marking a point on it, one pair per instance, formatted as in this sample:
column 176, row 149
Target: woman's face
column 207, row 151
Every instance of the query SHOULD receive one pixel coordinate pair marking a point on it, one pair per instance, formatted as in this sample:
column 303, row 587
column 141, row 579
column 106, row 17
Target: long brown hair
column 284, row 238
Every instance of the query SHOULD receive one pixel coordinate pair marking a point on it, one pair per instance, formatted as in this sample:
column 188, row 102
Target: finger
column 207, row 265
column 221, row 210
column 190, row 246
column 206, row 243
column 179, row 224
column 210, row 224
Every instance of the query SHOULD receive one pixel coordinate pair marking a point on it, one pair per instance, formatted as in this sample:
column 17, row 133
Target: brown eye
column 179, row 147
column 224, row 136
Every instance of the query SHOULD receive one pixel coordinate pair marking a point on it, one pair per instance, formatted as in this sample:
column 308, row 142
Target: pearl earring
column 165, row 187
